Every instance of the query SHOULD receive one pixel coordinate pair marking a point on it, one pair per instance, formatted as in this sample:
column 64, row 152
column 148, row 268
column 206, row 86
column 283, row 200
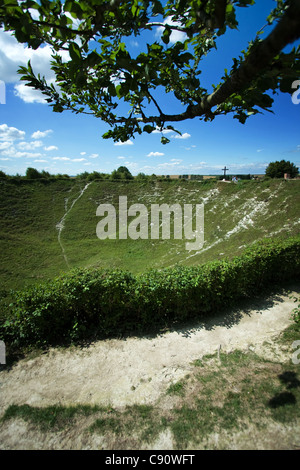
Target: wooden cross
column 225, row 169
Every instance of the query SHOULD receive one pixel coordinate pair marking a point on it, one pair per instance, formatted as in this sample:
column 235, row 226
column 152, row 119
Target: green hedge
column 99, row 303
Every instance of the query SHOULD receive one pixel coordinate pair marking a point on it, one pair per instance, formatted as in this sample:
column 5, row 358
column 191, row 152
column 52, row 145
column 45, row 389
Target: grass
column 30, row 211
column 28, row 237
column 52, row 418
column 176, row 389
column 141, row 422
column 222, row 395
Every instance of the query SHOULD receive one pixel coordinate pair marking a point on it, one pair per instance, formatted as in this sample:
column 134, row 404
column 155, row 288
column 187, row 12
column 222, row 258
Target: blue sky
column 32, row 135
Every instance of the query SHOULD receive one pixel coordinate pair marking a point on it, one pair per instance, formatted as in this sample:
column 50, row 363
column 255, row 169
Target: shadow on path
column 230, row 316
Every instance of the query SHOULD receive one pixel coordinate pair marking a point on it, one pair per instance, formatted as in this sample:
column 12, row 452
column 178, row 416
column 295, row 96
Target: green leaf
column 164, row 140
column 74, row 8
column 166, row 35
column 157, row 8
column 118, row 91
column 286, row 86
column 135, row 9
column 93, row 59
column 173, row 129
column 74, row 52
column 148, row 128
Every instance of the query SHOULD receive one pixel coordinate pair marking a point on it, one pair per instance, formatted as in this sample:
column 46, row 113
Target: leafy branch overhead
column 96, row 74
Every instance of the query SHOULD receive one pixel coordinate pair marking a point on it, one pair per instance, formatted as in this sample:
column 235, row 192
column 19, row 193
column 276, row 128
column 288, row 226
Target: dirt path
column 139, row 370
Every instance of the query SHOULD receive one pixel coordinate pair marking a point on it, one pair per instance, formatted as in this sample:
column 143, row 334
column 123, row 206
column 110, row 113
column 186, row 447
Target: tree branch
column 171, row 26
column 87, row 32
column 156, row 104
column 286, row 31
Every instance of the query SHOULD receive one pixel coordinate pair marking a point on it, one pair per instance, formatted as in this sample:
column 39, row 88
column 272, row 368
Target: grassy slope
column 28, row 238
column 235, row 216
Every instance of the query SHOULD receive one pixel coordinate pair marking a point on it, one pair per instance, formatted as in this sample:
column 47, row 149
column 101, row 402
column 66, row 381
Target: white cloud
column 40, row 161
column 175, row 35
column 75, row 23
column 41, row 134
column 155, row 154
column 5, row 145
column 29, row 95
column 14, row 54
column 14, row 153
column 10, row 133
column 50, row 148
column 82, row 153
column 132, row 165
column 127, row 142
column 190, row 147
column 167, row 165
column 10, row 57
column 183, row 136
column 29, row 145
column 61, row 158
column 34, row 13
column 28, row 155
column 121, row 158
column 78, row 159
column 94, row 155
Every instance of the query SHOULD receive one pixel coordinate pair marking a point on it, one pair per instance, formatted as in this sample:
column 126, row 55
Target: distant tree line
column 274, row 170
column 122, row 173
